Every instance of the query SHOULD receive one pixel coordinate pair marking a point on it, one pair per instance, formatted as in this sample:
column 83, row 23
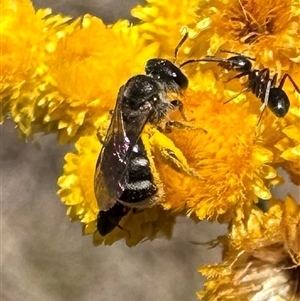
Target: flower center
column 251, row 19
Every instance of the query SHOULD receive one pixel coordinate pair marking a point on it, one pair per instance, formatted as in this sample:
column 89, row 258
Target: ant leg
column 184, row 38
column 292, row 81
column 229, row 100
column 265, row 101
column 262, row 109
column 265, row 74
column 274, row 80
column 243, row 90
column 240, row 75
column 266, row 71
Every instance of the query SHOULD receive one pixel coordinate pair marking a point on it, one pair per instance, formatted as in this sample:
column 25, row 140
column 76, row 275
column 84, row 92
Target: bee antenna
column 184, row 38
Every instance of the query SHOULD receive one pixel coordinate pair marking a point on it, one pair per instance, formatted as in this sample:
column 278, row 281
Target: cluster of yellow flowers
column 62, row 75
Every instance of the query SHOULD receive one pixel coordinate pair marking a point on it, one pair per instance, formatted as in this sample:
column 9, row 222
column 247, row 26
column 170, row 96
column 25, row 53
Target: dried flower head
column 261, row 259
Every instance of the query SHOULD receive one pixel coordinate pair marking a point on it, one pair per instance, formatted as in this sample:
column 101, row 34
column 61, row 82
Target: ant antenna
column 184, row 38
column 191, row 61
column 207, row 58
column 210, row 58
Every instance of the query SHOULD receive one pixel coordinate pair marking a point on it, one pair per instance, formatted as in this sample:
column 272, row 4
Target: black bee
column 259, row 81
column 123, row 177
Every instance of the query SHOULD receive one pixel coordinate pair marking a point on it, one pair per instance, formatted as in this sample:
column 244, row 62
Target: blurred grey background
column 43, row 255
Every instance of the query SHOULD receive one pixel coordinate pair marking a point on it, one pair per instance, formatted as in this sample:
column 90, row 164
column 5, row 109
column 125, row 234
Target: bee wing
column 110, row 175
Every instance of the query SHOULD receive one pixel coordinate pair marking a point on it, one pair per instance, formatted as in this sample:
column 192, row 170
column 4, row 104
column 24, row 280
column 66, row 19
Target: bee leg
column 177, row 104
column 171, row 124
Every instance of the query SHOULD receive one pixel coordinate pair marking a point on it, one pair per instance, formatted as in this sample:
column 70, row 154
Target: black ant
column 259, row 81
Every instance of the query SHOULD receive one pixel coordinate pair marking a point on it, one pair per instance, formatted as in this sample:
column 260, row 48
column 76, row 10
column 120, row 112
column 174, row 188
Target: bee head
column 166, row 73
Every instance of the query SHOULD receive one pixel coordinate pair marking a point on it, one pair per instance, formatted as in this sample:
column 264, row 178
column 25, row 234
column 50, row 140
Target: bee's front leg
column 177, row 104
column 169, row 125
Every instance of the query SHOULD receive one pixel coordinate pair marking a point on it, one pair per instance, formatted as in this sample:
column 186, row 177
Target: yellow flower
column 88, row 67
column 261, row 258
column 187, row 163
column 77, row 192
column 19, row 51
column 290, row 145
column 164, row 20
column 219, row 163
column 269, row 30
column 233, row 160
column 60, row 76
column 27, row 37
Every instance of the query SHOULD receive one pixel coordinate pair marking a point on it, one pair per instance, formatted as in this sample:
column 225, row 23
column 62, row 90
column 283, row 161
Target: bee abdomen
column 138, row 191
column 140, row 182
column 139, row 169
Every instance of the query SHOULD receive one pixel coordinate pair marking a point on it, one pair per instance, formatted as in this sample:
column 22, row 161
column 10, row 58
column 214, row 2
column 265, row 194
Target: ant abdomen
column 278, row 102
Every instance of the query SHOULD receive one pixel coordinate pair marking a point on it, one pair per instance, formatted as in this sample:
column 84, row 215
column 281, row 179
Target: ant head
column 278, row 102
column 238, row 62
column 166, row 73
